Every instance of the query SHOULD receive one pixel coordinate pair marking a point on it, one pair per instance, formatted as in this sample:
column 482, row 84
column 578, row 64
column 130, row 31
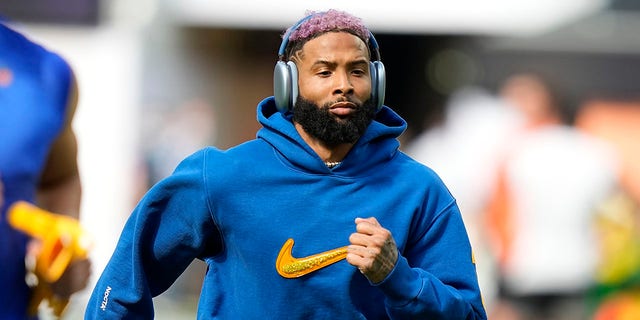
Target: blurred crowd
column 550, row 201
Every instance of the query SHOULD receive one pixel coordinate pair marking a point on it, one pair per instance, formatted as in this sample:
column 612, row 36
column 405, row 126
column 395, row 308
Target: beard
column 321, row 124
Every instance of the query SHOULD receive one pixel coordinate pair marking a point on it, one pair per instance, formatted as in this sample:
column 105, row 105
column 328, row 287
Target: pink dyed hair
column 331, row 20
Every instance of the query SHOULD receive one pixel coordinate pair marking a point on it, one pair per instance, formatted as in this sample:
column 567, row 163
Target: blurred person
column 38, row 161
column 617, row 122
column 324, row 170
column 472, row 134
column 475, row 128
column 541, row 216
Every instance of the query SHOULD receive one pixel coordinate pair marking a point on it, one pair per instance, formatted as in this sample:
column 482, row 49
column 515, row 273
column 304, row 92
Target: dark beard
column 331, row 130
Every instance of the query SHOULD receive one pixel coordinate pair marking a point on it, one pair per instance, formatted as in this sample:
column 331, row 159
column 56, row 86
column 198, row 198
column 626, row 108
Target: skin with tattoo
column 373, row 250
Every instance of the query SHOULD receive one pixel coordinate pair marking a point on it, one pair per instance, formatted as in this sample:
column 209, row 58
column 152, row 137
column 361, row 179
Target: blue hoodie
column 235, row 209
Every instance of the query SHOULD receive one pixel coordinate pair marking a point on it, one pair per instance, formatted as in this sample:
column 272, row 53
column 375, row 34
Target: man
column 38, row 159
column 377, row 235
column 551, row 179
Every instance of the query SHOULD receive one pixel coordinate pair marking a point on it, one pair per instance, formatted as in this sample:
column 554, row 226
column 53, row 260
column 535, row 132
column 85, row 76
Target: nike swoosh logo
column 290, row 267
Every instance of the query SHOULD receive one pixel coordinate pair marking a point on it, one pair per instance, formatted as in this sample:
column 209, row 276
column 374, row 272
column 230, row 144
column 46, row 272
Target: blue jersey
column 235, row 209
column 34, row 89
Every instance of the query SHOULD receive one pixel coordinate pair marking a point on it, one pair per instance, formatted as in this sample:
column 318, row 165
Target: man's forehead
column 333, row 43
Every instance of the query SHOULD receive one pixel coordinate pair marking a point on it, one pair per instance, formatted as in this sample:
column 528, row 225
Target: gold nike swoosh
column 290, row 267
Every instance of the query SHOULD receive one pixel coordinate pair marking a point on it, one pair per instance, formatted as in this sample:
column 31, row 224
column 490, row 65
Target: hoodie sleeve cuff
column 402, row 285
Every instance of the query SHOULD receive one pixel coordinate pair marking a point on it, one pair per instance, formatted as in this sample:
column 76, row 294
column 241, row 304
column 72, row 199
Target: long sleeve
column 169, row 228
column 436, row 278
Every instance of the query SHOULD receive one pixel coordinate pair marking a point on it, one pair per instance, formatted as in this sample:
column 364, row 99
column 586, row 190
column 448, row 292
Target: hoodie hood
column 377, row 145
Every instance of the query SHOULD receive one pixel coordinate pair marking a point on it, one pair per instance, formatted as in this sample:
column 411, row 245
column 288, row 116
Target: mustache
column 330, row 103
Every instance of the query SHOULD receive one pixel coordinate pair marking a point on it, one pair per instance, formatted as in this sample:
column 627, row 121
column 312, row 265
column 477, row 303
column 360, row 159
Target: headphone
column 285, row 75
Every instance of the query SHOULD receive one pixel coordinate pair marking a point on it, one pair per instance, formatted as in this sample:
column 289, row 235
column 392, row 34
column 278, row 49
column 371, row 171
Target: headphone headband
column 373, row 44
column 285, row 38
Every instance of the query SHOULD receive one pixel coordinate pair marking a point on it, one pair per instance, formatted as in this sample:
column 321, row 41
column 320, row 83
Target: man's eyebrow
column 359, row 61
column 331, row 64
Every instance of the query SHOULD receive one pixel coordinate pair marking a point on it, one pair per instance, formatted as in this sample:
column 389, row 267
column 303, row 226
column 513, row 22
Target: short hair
column 319, row 23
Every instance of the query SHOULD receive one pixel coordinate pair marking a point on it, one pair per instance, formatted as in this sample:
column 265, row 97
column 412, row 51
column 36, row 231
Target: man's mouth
column 342, row 108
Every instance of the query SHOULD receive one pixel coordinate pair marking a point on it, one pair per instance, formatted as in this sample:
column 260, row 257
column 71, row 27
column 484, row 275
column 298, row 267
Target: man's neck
column 326, row 153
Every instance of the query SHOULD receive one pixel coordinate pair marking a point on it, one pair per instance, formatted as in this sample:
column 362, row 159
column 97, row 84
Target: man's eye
column 359, row 72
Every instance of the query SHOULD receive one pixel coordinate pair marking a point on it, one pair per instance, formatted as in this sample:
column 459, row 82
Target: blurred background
column 160, row 79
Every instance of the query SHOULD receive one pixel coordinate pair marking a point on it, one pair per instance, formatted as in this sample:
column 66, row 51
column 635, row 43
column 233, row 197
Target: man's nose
column 343, row 83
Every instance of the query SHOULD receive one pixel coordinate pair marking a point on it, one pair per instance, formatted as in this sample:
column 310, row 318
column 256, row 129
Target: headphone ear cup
column 285, row 85
column 282, row 86
column 378, row 83
column 293, row 69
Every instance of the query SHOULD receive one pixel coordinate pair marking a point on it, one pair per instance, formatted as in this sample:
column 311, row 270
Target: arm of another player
column 60, row 191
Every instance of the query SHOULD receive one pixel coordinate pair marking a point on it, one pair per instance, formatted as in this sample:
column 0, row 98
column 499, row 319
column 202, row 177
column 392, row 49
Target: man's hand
column 75, row 278
column 372, row 250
